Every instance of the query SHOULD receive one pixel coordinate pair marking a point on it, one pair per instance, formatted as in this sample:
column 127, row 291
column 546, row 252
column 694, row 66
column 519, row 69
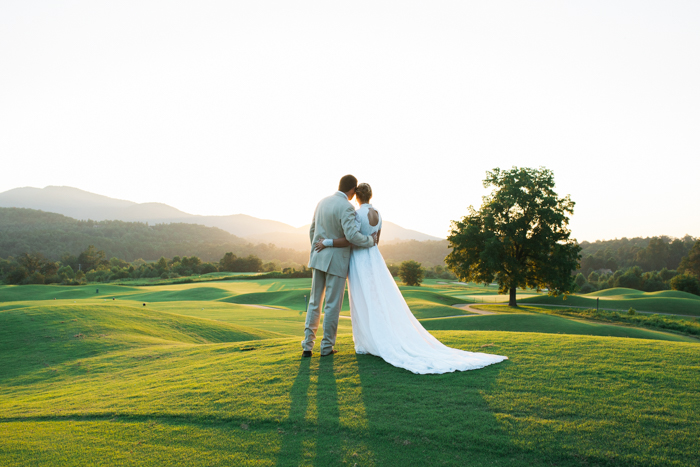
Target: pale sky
column 260, row 107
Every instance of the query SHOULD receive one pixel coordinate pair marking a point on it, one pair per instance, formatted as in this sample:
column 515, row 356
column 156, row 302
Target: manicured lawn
column 517, row 322
column 666, row 301
column 284, row 321
column 198, row 376
column 564, row 400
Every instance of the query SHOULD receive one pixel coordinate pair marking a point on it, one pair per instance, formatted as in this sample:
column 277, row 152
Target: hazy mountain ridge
column 24, row 230
column 83, row 205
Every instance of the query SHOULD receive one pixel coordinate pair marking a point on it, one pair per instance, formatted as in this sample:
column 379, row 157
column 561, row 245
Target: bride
column 382, row 323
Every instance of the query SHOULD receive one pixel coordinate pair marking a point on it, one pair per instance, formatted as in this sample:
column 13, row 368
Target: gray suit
column 334, row 218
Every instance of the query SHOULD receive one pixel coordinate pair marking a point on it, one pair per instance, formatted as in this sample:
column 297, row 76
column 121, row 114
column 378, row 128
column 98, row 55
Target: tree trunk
column 512, row 297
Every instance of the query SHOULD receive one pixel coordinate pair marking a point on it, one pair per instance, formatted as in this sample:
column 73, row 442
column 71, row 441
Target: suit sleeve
column 312, row 229
column 351, row 231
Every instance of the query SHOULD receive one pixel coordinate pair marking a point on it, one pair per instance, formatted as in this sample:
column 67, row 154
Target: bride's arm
column 337, row 243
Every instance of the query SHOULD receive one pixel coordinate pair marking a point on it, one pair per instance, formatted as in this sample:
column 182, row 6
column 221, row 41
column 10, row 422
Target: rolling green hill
column 194, row 379
column 559, row 400
column 516, row 322
column 39, row 336
column 286, row 293
column 666, row 301
column 282, row 321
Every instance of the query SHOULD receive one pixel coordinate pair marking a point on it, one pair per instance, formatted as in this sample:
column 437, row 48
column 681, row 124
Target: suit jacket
column 334, row 217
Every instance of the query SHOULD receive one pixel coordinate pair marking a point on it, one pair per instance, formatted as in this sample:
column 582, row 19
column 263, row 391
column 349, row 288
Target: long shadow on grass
column 314, row 444
column 292, row 449
column 327, row 450
column 434, row 419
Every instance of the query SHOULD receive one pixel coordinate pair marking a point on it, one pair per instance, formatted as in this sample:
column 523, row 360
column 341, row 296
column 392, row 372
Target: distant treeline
column 92, row 265
column 659, row 251
column 649, row 254
column 61, row 240
column 54, row 235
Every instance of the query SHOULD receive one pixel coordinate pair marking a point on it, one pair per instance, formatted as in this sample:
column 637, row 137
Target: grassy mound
column 563, row 400
column 622, row 293
column 616, row 292
column 516, row 322
column 200, row 377
column 38, row 337
column 622, row 299
column 283, row 321
column 10, row 293
column 185, row 293
column 292, row 299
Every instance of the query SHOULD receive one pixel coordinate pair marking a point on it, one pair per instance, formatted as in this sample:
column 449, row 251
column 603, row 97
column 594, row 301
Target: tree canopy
column 650, row 254
column 691, row 263
column 519, row 237
column 411, row 272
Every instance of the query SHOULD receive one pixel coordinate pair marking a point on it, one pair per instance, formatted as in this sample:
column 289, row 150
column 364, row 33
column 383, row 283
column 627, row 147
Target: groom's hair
column 347, row 183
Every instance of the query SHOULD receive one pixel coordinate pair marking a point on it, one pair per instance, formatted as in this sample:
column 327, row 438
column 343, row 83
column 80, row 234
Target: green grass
column 543, row 323
column 292, row 299
column 283, row 321
column 10, row 293
column 189, row 294
column 667, row 301
column 194, row 378
column 426, row 303
column 213, row 276
column 37, row 337
column 432, row 300
column 678, row 324
column 564, row 400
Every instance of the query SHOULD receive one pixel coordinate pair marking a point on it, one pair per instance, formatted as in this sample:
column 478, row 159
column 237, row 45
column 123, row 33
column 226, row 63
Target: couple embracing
column 344, row 246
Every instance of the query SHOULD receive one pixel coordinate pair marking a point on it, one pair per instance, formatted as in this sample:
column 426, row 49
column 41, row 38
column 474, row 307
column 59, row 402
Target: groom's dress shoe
column 306, row 353
column 330, row 353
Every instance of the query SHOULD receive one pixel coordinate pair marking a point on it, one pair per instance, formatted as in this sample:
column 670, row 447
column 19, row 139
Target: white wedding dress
column 382, row 323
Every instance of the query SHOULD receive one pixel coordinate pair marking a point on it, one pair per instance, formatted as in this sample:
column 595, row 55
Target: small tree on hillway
column 411, row 272
column 519, row 237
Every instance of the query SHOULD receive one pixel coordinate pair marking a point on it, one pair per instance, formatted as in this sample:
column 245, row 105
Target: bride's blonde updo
column 363, row 193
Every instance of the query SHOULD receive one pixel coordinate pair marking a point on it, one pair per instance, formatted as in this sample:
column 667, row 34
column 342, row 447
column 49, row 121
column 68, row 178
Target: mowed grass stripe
column 35, row 338
column 516, row 322
column 672, row 302
column 564, row 400
column 433, row 300
column 279, row 320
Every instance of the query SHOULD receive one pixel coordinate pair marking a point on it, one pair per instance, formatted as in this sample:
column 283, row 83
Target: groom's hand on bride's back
column 375, row 236
column 318, row 246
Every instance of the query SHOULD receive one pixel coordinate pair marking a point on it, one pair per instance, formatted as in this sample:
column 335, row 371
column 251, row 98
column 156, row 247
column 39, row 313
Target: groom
column 334, row 218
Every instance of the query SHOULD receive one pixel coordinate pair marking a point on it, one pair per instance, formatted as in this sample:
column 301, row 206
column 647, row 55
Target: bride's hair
column 363, row 193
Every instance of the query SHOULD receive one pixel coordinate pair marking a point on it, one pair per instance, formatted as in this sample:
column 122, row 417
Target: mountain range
column 80, row 204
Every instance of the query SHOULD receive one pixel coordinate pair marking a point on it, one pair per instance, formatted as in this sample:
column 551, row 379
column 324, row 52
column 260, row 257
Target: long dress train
column 383, row 325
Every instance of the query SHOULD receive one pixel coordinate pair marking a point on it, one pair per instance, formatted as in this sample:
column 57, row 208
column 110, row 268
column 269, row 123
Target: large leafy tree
column 519, row 237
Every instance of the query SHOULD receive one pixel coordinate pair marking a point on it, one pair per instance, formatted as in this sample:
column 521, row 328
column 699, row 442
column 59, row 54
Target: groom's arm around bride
column 334, row 217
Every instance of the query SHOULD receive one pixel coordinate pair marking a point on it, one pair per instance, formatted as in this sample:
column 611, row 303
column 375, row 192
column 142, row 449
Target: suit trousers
column 333, row 288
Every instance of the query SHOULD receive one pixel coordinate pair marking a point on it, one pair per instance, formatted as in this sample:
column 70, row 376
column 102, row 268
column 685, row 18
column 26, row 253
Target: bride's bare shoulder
column 373, row 217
